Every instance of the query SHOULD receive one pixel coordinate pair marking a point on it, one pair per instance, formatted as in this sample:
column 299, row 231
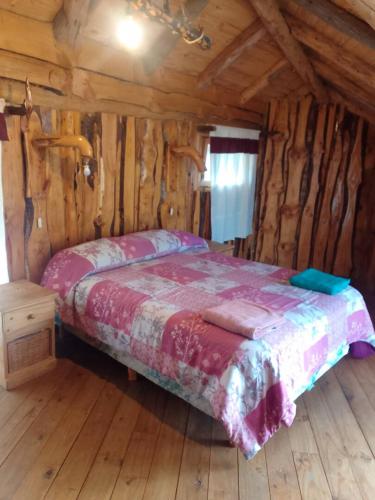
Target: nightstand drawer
column 29, row 350
column 27, row 317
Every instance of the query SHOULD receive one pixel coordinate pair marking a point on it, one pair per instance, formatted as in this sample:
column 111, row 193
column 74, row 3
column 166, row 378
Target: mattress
column 139, row 297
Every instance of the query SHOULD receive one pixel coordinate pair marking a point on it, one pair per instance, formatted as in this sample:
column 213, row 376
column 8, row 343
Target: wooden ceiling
column 262, row 49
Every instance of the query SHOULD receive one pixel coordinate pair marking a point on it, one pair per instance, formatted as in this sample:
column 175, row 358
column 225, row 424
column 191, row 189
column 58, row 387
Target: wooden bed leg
column 132, row 375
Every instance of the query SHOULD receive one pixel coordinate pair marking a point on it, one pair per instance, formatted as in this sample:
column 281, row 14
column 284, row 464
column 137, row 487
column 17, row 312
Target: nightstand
column 27, row 332
column 225, row 248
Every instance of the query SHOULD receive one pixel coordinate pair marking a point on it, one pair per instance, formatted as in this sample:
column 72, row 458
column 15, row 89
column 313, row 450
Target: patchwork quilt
column 140, row 296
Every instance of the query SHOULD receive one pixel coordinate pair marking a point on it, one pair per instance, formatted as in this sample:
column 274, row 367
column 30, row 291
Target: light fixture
column 178, row 22
column 130, row 33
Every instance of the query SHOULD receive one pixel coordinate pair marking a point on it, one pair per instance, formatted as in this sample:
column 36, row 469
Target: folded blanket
column 312, row 279
column 243, row 317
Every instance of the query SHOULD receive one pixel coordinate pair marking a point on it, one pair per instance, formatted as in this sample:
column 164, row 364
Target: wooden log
column 129, row 176
column 158, row 102
column 339, row 19
column 266, row 173
column 111, row 167
column 137, row 175
column 338, row 80
column 69, row 162
column 38, row 243
column 333, row 111
column 70, row 20
column 90, row 185
column 184, row 165
column 14, row 92
column 364, row 240
column 308, row 214
column 13, row 184
column 118, row 212
column 274, row 186
column 244, row 41
column 26, row 36
column 337, row 206
column 158, row 171
column 365, row 111
column 148, row 158
column 322, row 233
column 351, row 66
column 362, row 9
column 290, row 210
column 274, row 21
column 55, row 193
column 197, row 212
column 263, row 82
column 344, row 263
column 16, row 67
column 168, row 211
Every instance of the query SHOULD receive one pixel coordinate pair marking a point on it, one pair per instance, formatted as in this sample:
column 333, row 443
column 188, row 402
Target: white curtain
column 233, row 179
column 4, row 278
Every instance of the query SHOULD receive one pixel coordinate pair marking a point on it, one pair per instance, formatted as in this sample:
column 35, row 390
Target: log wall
column 315, row 191
column 135, row 184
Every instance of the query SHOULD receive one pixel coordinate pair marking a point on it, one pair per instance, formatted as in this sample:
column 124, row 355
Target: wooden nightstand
column 225, row 248
column 27, row 332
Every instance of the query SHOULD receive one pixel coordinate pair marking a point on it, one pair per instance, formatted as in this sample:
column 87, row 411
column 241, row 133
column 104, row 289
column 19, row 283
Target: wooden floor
column 82, row 432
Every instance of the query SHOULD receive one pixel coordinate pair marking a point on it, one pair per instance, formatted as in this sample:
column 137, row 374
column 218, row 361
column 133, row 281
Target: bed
column 139, row 298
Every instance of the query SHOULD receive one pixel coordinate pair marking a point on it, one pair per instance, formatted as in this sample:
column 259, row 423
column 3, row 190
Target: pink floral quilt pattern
column 141, row 296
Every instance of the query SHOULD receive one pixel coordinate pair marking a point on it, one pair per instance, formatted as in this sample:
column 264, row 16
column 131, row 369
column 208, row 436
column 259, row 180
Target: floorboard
column 84, row 431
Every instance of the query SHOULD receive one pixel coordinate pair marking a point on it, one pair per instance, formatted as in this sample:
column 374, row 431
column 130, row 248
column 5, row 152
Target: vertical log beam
column 291, row 209
column 304, row 244
column 323, row 224
column 275, row 185
column 14, row 199
column 344, row 259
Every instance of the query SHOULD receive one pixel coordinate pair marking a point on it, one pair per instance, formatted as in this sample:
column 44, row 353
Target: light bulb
column 129, row 33
column 86, row 170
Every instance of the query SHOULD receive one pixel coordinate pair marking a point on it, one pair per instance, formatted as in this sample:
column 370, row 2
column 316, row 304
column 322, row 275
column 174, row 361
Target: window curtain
column 233, row 158
column 4, row 278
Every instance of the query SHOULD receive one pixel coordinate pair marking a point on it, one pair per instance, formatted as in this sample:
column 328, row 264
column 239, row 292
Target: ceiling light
column 130, row 33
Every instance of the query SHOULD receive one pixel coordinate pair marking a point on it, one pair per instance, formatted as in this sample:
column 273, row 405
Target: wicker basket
column 28, row 350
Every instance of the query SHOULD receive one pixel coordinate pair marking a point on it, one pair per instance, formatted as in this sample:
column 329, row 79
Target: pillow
column 71, row 265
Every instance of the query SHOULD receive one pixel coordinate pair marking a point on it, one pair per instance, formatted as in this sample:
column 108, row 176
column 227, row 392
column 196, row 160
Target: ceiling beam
column 168, row 40
column 366, row 112
column 355, row 68
column 339, row 19
column 363, row 9
column 69, row 21
column 263, row 82
column 245, row 40
column 274, row 21
column 330, row 74
column 93, row 93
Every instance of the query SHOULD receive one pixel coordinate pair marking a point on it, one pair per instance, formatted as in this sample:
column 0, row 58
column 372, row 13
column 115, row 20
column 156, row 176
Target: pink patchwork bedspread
column 140, row 297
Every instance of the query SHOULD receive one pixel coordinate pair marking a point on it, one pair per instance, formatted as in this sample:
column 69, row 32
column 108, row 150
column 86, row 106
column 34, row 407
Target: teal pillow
column 318, row 281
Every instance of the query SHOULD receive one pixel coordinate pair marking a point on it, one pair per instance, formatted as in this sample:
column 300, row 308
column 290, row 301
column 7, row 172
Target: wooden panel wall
column 135, row 185
column 315, row 191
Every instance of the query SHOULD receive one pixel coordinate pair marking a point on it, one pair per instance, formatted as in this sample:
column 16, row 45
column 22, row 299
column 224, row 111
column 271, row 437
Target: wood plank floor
column 84, row 432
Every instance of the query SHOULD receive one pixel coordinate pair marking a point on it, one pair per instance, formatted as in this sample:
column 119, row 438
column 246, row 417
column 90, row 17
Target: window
column 4, row 277
column 232, row 170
